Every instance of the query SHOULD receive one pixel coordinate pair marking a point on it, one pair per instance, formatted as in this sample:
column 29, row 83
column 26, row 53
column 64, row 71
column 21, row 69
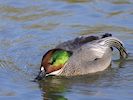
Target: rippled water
column 28, row 28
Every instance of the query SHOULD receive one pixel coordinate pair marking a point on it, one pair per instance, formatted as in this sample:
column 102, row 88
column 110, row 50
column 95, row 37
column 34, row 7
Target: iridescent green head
column 59, row 57
column 54, row 60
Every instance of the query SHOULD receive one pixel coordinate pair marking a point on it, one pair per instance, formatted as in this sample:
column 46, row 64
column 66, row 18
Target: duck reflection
column 56, row 88
column 53, row 88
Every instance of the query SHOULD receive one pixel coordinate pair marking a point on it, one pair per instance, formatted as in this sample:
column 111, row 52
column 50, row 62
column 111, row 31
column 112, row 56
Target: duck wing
column 76, row 43
column 71, row 45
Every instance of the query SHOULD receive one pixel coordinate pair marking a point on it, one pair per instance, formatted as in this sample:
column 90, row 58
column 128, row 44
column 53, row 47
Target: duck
column 80, row 56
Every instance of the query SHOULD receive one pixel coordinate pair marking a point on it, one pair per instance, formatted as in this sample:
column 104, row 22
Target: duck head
column 53, row 62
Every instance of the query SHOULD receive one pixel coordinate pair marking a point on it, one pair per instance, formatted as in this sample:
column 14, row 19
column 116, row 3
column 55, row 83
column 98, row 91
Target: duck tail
column 114, row 42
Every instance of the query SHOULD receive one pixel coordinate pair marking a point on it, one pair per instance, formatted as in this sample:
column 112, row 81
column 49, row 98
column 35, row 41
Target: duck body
column 88, row 59
column 89, row 54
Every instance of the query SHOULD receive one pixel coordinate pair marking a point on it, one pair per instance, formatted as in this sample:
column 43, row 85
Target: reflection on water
column 58, row 88
column 29, row 28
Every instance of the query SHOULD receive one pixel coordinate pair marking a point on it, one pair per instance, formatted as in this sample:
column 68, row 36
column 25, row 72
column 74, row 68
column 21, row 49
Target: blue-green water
column 28, row 28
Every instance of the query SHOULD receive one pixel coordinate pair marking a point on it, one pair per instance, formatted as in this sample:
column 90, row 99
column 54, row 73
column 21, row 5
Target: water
column 29, row 28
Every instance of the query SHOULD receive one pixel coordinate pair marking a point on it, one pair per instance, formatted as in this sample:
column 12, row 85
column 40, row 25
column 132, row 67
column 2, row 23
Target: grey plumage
column 90, row 54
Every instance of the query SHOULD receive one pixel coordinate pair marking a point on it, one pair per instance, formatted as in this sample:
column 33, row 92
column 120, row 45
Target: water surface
column 29, row 28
